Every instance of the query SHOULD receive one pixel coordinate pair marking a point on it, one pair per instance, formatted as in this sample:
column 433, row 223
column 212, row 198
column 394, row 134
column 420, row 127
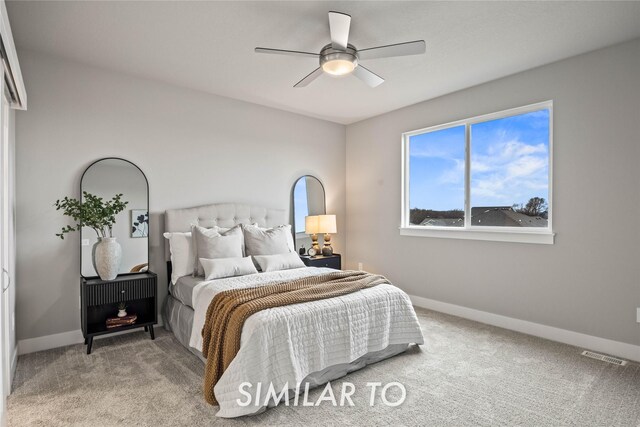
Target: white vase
column 122, row 313
column 107, row 257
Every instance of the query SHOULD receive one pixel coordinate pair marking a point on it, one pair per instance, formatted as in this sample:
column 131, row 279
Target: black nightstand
column 99, row 300
column 331, row 261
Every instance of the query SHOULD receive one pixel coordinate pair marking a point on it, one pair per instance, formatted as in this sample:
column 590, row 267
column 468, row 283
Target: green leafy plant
column 92, row 212
column 122, row 306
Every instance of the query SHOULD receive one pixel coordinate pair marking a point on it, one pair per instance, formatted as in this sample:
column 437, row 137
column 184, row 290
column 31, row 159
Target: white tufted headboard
column 222, row 215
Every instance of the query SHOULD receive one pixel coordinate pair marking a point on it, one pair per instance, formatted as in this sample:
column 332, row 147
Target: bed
column 313, row 342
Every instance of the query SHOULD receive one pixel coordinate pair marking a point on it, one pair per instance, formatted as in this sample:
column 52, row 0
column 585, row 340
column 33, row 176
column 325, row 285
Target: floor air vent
column 604, row 358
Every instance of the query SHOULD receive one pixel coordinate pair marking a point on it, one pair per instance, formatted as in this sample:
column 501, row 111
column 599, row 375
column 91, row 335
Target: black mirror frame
column 148, row 237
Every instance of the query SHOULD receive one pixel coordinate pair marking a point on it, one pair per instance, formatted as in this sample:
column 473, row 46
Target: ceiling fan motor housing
column 329, row 56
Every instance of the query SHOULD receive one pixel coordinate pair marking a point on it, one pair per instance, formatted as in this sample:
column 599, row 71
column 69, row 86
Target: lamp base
column 314, row 243
column 327, row 250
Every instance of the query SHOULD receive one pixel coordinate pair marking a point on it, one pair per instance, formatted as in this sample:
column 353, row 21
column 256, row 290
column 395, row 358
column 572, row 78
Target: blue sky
column 509, row 163
column 300, row 204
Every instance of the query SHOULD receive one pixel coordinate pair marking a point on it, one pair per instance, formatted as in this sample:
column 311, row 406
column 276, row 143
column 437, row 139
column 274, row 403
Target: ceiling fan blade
column 339, row 24
column 285, row 52
column 368, row 76
column 309, row 78
column 401, row 49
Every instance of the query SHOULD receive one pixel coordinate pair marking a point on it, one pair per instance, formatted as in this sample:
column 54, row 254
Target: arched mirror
column 307, row 199
column 107, row 178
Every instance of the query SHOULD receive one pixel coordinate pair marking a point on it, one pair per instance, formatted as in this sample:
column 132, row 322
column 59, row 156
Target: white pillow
column 272, row 241
column 231, row 230
column 278, row 262
column 292, row 245
column 210, row 244
column 227, row 267
column 182, row 254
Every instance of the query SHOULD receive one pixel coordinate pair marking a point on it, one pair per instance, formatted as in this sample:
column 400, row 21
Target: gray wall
column 194, row 148
column 589, row 281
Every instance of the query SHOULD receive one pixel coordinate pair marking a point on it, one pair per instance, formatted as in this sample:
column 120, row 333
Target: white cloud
column 525, row 166
column 508, row 172
column 454, row 175
column 504, row 172
column 440, row 151
column 480, row 166
column 492, row 186
column 506, row 165
column 510, row 150
column 429, row 151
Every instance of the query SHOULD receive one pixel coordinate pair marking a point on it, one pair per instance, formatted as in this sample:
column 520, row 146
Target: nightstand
column 99, row 301
column 331, row 261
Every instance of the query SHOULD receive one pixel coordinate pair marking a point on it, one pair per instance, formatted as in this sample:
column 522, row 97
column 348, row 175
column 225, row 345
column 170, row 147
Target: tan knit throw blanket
column 230, row 309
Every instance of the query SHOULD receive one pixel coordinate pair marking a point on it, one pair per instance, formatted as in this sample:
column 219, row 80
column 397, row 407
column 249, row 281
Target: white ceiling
column 208, row 46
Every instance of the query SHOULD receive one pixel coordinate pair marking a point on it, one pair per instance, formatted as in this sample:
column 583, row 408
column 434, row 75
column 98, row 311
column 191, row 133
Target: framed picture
column 139, row 223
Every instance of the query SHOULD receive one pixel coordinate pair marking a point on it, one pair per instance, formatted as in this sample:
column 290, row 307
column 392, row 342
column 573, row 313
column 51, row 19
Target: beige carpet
column 467, row 374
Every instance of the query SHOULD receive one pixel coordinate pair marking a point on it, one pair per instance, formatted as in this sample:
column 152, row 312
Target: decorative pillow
column 277, row 262
column 210, row 244
column 227, row 267
column 224, row 231
column 272, row 241
column 292, row 245
column 182, row 254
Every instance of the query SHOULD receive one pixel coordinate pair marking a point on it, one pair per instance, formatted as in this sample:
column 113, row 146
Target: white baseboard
column 31, row 345
column 603, row 345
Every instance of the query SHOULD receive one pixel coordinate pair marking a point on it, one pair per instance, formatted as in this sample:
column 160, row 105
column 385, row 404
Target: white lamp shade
column 327, row 224
column 311, row 224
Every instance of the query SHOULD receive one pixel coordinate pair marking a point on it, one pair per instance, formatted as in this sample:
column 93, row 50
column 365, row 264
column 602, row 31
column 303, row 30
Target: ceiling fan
column 340, row 58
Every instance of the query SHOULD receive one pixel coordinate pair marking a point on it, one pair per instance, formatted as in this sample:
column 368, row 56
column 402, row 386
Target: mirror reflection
column 106, row 178
column 308, row 199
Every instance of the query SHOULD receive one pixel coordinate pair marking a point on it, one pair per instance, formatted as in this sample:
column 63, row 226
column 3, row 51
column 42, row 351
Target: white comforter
column 285, row 344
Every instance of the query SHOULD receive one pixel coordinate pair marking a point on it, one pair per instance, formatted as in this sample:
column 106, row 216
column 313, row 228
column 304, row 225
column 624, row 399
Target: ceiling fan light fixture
column 338, row 67
column 338, row 62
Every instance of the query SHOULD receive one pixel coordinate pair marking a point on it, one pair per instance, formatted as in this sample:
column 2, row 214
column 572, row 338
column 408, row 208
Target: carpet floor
column 467, row 374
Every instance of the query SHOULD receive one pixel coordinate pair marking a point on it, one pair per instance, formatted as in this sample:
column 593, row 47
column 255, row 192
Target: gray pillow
column 231, row 230
column 227, row 267
column 272, row 241
column 210, row 244
column 279, row 262
column 292, row 245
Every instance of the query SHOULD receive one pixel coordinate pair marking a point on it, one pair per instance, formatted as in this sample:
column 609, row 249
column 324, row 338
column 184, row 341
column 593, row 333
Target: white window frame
column 500, row 234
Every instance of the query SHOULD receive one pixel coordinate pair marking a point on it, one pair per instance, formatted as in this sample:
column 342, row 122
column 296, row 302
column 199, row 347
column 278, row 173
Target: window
column 487, row 177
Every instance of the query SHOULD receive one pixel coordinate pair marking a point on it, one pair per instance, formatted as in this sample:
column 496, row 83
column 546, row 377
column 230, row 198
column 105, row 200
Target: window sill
column 513, row 236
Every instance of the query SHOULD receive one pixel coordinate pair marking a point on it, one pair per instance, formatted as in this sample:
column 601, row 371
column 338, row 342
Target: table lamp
column 327, row 226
